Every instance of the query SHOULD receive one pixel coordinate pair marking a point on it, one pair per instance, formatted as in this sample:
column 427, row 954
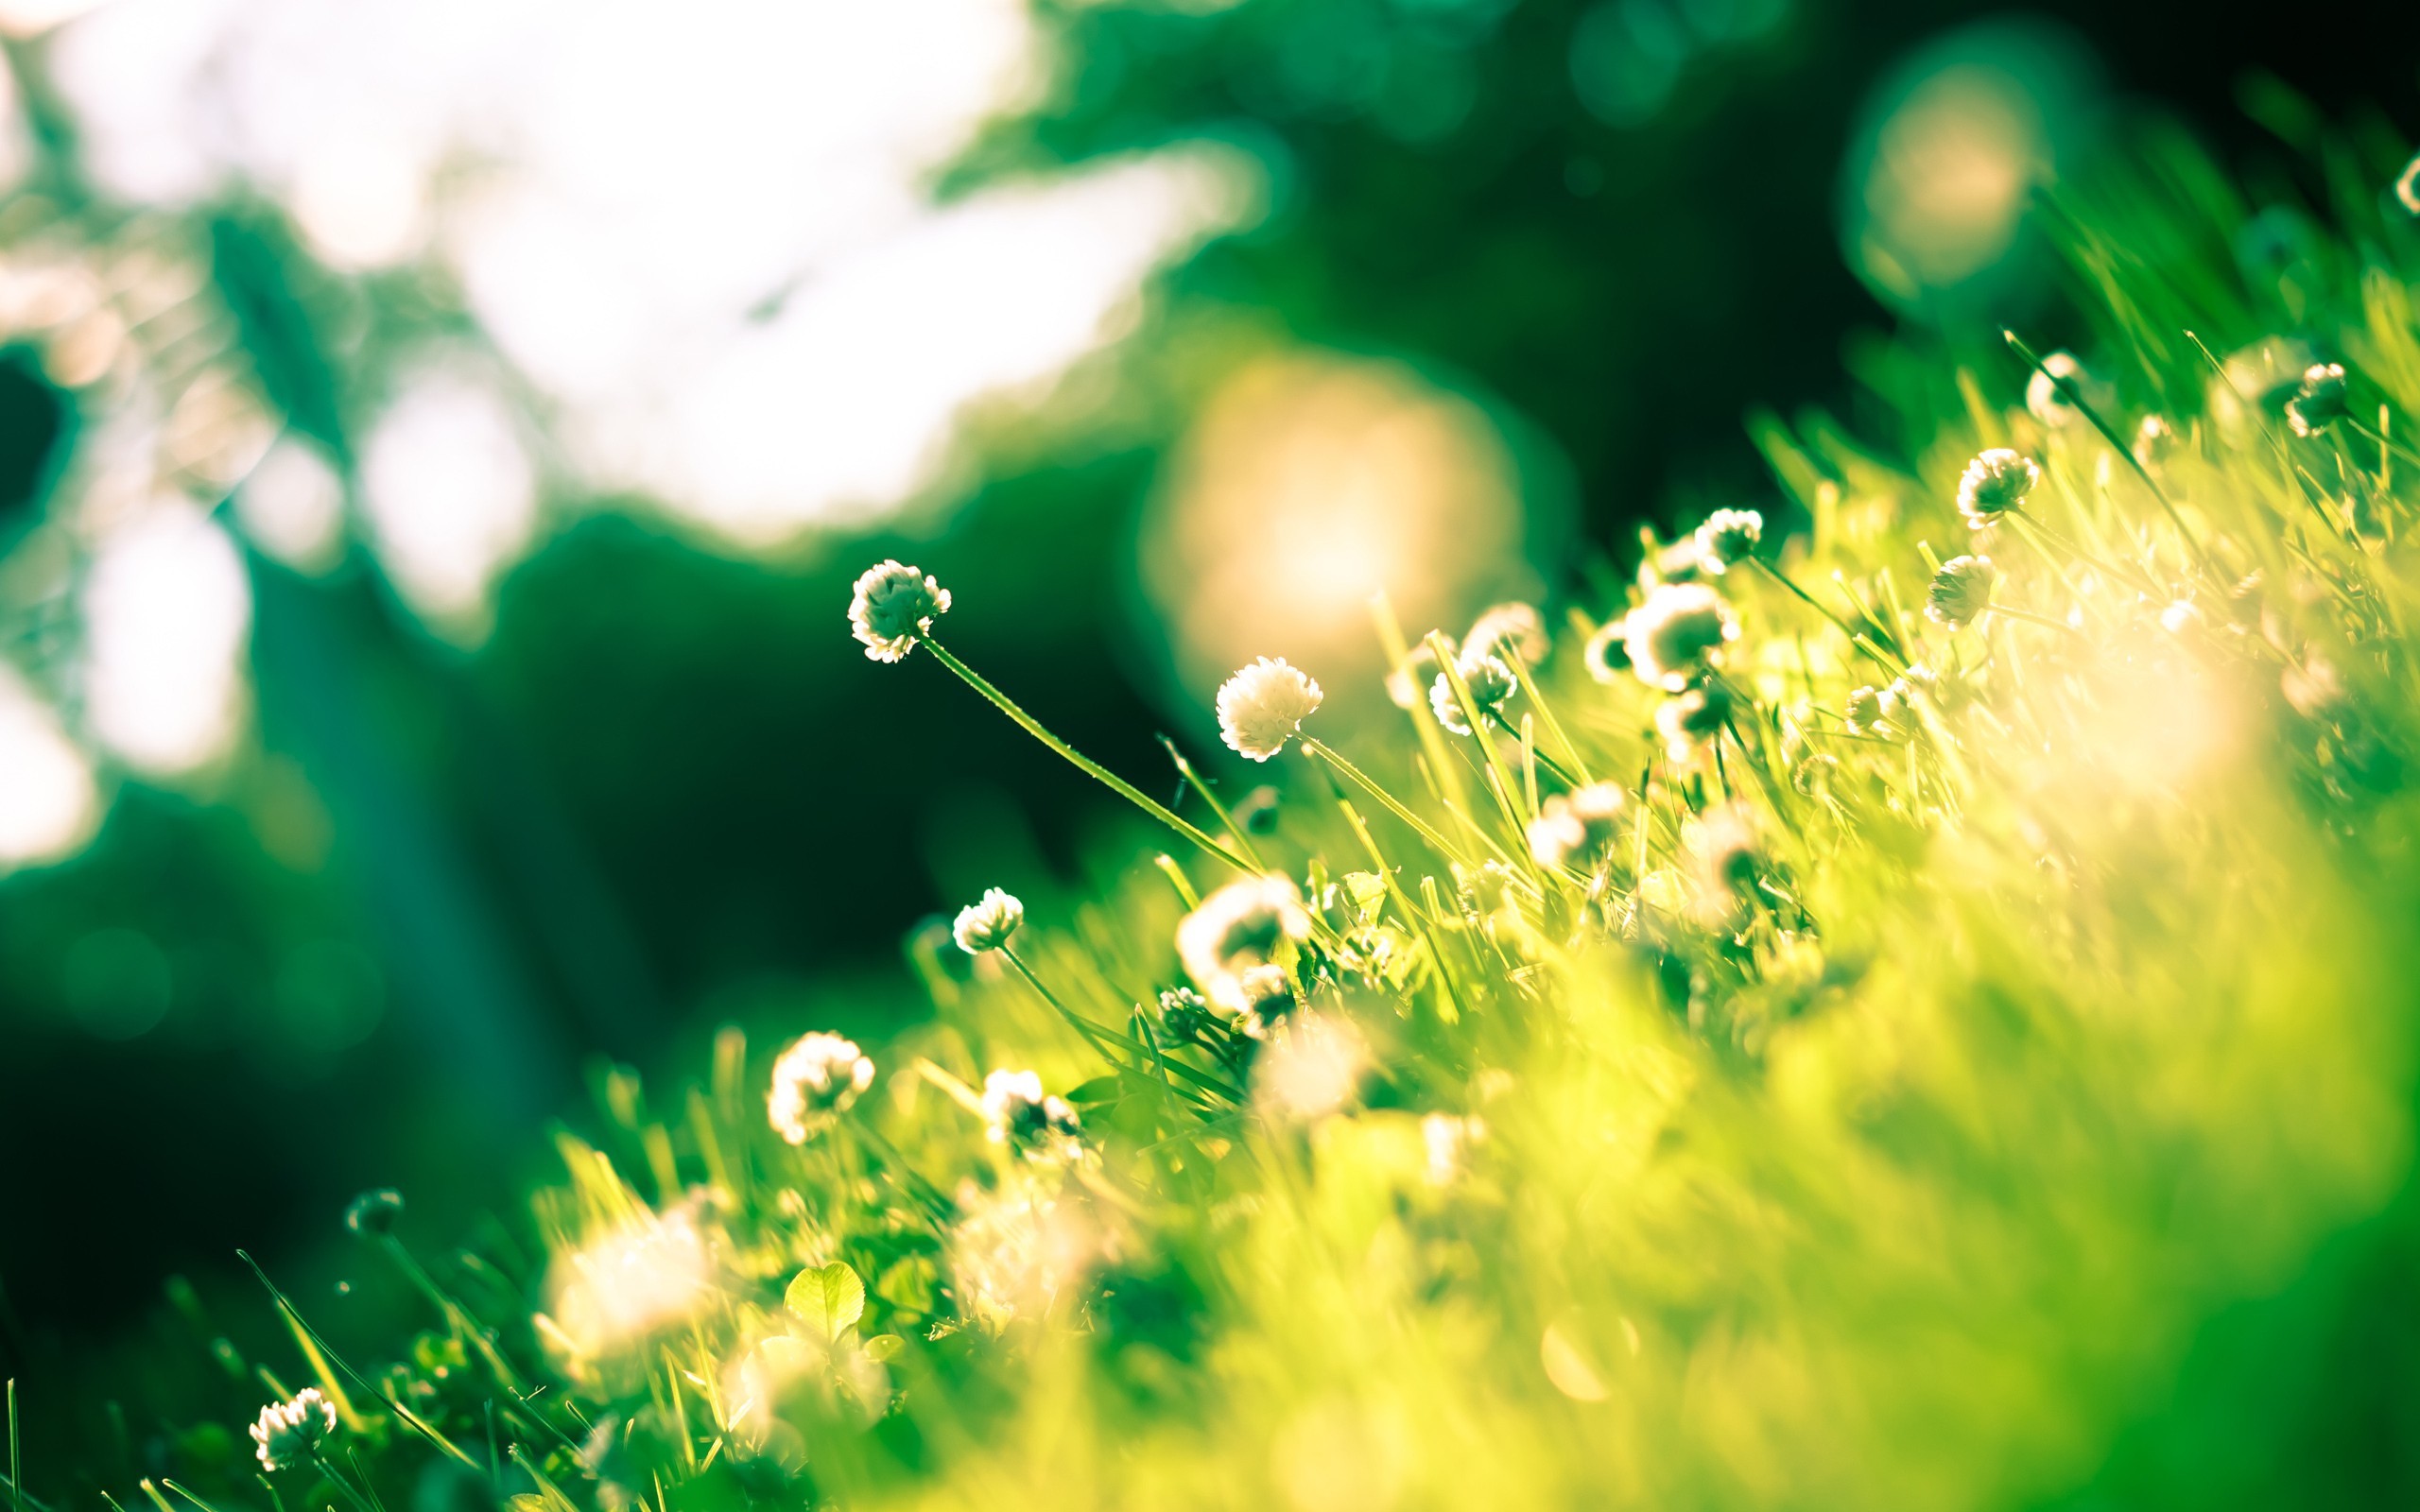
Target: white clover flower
column 1996, row 482
column 1670, row 635
column 290, row 1433
column 1249, row 923
column 1607, row 654
column 1511, row 629
column 1017, row 1113
column 2407, row 188
column 1728, row 538
column 1571, row 828
column 1262, row 705
column 815, row 1080
column 1490, row 680
column 1961, row 591
column 891, row 606
column 1691, row 719
column 987, row 924
column 1312, row 1068
column 1865, row 711
column 2049, row 401
column 2319, row 402
column 2179, row 617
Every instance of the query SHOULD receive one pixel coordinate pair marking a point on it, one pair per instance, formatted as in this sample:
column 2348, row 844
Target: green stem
column 2074, row 395
column 1362, row 781
column 1083, row 763
column 1102, row 1036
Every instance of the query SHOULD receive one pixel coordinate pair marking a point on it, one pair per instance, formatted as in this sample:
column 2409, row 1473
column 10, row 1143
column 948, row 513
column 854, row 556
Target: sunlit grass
column 1833, row 1044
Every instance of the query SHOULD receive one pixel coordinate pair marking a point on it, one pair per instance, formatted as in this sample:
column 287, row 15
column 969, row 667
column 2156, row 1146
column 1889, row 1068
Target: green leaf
column 883, row 1346
column 1099, row 1090
column 827, row 1298
column 1367, row 890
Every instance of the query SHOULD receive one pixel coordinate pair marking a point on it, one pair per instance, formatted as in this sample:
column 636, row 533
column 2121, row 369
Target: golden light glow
column 1311, row 481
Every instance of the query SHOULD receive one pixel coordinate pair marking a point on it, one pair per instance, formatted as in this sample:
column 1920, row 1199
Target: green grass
column 2006, row 1101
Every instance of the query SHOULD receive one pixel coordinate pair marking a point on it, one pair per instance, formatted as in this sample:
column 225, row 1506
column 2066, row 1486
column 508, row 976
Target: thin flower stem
column 1362, row 781
column 362, row 1503
column 1857, row 637
column 1082, row 762
column 2028, row 616
column 1193, row 780
column 1552, row 766
column 1102, row 1036
column 2074, row 395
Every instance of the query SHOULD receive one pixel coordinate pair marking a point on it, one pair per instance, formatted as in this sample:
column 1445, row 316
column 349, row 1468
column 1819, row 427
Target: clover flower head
column 289, row 1432
column 2048, row 399
column 1572, row 828
column 1867, row 712
column 1692, row 718
column 1670, row 635
column 1268, row 993
column 1262, row 705
column 987, row 924
column 1607, row 654
column 2407, row 188
column 1728, row 538
column 1188, row 1019
column 2319, row 400
column 1514, row 629
column 818, row 1079
column 1250, row 922
column 891, row 606
column 1017, row 1113
column 1490, row 680
column 1409, row 683
column 1996, row 482
column 1961, row 591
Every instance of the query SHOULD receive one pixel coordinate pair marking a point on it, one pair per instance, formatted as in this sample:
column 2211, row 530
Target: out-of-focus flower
column 1446, row 1139
column 1670, row 635
column 1491, row 684
column 1409, row 683
column 1691, row 718
column 372, row 1215
column 1571, row 828
column 2407, row 188
column 1312, row 1067
column 987, row 924
column 1262, row 705
column 1607, row 654
column 1018, row 1246
column 2179, row 617
column 2319, row 402
column 654, row 1271
column 288, row 1432
column 1508, row 630
column 1017, row 1113
column 1868, row 712
column 2047, row 397
column 1268, row 994
column 815, row 1080
column 1996, row 482
column 1961, row 591
column 1728, row 538
column 1247, row 923
column 1721, row 848
column 2154, row 439
column 891, row 606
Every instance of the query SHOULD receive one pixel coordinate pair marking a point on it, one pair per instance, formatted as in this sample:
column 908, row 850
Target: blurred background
column 436, row 437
